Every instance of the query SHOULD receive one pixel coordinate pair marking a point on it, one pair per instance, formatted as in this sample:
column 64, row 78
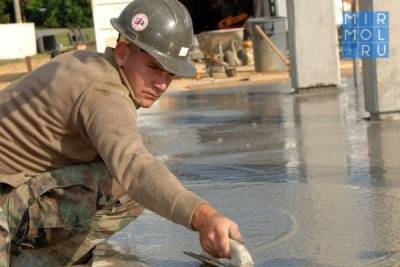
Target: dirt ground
column 10, row 72
column 246, row 76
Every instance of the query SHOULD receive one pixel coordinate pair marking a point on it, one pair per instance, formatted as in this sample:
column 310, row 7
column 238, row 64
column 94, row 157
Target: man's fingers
column 222, row 241
column 215, row 230
column 234, row 233
column 208, row 247
column 210, row 251
column 224, row 247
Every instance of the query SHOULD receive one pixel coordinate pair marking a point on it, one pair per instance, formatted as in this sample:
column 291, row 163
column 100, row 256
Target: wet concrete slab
column 311, row 181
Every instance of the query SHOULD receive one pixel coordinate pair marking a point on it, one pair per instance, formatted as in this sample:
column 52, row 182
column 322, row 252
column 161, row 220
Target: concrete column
column 313, row 43
column 381, row 76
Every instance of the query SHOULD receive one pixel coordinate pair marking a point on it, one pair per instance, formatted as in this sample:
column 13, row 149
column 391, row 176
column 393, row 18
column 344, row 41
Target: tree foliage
column 5, row 9
column 59, row 13
column 51, row 13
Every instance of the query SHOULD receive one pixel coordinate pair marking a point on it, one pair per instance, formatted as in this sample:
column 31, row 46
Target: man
column 73, row 167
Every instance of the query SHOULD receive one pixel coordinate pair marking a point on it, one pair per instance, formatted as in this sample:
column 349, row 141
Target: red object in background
column 233, row 22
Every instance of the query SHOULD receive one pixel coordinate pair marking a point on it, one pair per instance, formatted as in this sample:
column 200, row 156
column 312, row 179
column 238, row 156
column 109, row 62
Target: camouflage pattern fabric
column 69, row 211
column 4, row 241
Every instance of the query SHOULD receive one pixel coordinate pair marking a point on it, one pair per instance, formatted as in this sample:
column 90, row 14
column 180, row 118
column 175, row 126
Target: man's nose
column 162, row 82
column 161, row 87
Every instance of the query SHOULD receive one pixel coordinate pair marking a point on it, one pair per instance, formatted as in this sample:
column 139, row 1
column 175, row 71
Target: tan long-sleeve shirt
column 78, row 107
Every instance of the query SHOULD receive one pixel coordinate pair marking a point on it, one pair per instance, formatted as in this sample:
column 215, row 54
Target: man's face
column 145, row 75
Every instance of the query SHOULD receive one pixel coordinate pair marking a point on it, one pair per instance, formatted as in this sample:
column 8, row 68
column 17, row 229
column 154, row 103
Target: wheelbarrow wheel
column 229, row 58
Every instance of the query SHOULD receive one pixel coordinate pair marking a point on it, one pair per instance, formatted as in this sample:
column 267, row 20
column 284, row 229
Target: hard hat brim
column 180, row 66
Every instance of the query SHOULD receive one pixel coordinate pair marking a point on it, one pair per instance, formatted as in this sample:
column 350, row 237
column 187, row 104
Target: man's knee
column 83, row 196
column 120, row 215
column 105, row 223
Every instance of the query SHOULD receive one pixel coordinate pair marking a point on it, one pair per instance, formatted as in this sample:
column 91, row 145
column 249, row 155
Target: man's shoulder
column 84, row 59
column 69, row 76
column 84, row 69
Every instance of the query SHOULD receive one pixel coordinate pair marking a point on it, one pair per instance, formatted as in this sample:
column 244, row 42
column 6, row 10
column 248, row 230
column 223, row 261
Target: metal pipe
column 356, row 67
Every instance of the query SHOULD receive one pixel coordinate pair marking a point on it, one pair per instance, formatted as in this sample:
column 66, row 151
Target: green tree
column 5, row 9
column 59, row 13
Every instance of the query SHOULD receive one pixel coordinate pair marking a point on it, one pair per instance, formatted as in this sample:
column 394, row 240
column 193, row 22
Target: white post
column 381, row 76
column 313, row 43
column 17, row 12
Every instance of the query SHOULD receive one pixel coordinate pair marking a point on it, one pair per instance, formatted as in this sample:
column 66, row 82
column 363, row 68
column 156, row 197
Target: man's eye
column 154, row 67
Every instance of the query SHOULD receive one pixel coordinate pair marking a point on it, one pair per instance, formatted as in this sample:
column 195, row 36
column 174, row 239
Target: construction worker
column 73, row 167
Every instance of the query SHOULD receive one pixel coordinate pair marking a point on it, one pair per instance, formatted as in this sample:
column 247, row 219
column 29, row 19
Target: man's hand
column 215, row 230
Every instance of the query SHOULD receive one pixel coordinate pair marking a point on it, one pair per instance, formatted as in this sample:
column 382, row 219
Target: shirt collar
column 109, row 56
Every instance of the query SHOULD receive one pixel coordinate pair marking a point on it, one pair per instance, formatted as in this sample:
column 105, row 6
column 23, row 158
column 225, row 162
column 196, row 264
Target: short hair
column 121, row 38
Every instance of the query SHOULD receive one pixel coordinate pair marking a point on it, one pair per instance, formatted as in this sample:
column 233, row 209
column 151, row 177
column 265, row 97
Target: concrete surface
column 313, row 43
column 311, row 182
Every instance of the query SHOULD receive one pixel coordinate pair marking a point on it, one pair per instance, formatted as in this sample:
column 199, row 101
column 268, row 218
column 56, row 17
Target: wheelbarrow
column 222, row 48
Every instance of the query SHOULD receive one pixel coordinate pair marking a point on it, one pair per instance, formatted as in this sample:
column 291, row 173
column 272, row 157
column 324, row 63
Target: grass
column 64, row 40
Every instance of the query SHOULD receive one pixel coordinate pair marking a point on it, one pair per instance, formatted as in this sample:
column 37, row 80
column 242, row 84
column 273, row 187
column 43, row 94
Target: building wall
column 103, row 11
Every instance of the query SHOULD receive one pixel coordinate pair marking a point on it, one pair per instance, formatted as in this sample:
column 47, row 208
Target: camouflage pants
column 68, row 210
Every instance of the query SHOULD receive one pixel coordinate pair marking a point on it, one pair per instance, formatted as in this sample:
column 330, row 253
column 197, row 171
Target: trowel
column 240, row 257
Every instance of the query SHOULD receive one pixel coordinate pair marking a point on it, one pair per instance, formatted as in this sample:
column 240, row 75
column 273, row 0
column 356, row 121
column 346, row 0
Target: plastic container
column 265, row 59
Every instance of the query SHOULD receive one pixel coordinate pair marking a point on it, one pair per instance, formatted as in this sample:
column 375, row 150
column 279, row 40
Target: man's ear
column 121, row 53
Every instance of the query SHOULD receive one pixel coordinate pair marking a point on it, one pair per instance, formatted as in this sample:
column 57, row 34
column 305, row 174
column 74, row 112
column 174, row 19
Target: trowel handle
column 240, row 256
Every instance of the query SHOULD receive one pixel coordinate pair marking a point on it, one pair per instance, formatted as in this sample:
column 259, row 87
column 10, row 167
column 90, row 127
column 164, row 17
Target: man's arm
column 107, row 120
column 215, row 229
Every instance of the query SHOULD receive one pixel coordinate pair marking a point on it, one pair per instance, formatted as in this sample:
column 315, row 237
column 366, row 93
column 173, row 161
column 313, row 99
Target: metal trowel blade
column 205, row 259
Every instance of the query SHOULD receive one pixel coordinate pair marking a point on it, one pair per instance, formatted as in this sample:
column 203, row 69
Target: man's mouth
column 151, row 95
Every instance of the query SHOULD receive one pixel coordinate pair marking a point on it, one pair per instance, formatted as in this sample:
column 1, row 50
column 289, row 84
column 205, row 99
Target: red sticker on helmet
column 140, row 22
